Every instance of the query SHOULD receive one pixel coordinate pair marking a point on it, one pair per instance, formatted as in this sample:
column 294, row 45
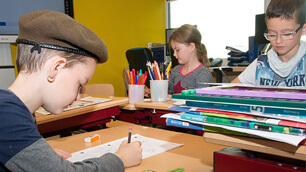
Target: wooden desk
column 155, row 105
column 195, row 155
column 233, row 68
column 148, row 104
column 258, row 145
column 226, row 69
column 146, row 112
column 84, row 117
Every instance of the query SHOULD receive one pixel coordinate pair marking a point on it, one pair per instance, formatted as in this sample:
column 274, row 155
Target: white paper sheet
column 179, row 102
column 287, row 138
column 150, row 147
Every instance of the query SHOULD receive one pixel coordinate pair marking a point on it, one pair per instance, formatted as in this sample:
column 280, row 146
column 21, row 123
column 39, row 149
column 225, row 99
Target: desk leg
column 219, row 76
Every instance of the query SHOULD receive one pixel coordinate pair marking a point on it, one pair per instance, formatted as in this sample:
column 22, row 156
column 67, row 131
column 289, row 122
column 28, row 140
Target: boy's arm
column 236, row 80
column 62, row 153
column 39, row 156
column 248, row 75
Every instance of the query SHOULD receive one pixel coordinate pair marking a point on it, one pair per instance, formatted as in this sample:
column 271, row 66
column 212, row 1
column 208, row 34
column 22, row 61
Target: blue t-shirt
column 18, row 129
column 267, row 77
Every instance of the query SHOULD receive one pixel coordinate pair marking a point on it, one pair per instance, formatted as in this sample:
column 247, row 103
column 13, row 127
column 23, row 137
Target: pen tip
column 130, row 128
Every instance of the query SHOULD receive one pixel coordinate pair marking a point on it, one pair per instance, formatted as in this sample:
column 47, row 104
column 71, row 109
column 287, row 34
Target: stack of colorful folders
column 269, row 112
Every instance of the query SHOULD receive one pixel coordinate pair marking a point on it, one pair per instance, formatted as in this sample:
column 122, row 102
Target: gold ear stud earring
column 50, row 80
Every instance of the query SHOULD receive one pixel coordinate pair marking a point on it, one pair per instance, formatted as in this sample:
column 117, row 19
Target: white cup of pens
column 137, row 82
column 159, row 75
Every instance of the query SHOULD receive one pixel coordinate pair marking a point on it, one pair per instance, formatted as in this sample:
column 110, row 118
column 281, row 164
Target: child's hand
column 130, row 153
column 62, row 153
column 147, row 92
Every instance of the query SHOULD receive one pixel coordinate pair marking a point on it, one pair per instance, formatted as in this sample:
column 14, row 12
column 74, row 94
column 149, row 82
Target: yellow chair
column 100, row 89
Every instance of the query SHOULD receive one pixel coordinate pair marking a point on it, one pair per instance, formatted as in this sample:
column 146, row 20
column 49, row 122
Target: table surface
column 258, row 145
column 40, row 118
column 148, row 104
column 195, row 155
column 234, row 68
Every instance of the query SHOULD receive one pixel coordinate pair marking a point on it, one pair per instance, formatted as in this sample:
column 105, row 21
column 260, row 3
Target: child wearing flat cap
column 56, row 56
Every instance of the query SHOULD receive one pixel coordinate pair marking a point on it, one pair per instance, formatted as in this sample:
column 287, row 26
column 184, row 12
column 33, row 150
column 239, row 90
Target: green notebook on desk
column 254, row 105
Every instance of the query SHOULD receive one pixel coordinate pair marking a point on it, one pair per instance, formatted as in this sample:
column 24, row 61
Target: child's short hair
column 287, row 9
column 28, row 62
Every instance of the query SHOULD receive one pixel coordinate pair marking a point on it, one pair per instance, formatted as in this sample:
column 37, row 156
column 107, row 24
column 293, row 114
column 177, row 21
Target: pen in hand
column 130, row 133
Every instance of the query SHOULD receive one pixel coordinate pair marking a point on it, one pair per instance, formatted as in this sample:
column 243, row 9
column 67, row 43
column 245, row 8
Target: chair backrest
column 100, row 89
column 137, row 58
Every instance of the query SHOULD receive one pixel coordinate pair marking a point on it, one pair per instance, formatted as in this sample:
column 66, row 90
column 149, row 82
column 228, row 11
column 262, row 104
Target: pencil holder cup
column 159, row 90
column 136, row 93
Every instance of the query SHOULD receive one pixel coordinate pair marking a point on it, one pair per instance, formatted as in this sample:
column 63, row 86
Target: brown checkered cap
column 56, row 30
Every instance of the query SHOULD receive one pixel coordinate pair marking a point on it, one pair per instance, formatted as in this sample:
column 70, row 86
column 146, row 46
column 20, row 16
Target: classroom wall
column 122, row 25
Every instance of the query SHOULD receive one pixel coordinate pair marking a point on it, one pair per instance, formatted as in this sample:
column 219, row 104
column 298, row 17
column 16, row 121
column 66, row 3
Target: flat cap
column 56, row 30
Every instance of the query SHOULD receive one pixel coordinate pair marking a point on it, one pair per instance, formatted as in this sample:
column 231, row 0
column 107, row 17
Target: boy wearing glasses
column 285, row 64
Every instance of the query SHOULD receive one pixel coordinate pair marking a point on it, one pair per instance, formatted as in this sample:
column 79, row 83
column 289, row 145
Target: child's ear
column 192, row 46
column 57, row 65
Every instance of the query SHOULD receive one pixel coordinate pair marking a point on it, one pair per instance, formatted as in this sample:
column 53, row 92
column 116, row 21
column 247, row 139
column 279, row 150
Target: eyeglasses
column 284, row 36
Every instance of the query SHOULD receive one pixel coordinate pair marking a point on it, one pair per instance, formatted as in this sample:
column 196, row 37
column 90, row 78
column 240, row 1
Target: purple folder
column 255, row 92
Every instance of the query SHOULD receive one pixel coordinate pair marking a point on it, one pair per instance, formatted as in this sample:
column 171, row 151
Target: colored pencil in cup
column 145, row 78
